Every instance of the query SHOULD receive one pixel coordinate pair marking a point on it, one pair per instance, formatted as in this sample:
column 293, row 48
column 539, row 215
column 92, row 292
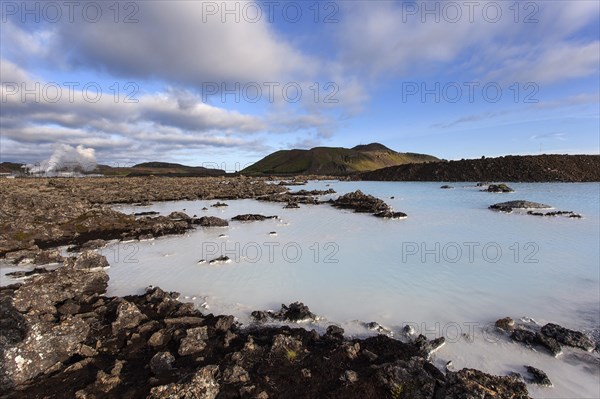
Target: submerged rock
column 220, row 259
column 518, row 204
column 446, row 187
column 219, row 204
column 20, row 274
column 312, row 192
column 569, row 214
column 148, row 213
column 498, row 188
column 391, row 215
column 252, row 218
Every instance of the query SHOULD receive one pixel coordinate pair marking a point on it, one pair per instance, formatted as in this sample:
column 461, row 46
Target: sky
column 225, row 83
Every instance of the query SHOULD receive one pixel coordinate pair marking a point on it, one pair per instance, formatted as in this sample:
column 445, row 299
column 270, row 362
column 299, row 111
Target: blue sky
column 451, row 79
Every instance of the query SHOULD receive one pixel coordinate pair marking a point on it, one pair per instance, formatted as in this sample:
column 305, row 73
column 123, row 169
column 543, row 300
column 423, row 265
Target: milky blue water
column 452, row 259
column 452, row 267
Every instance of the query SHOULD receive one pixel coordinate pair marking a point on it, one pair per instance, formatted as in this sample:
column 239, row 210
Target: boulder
column 179, row 216
column 194, row 342
column 211, row 221
column 498, row 188
column 203, row 385
column 161, row 362
column 128, row 317
column 470, row 383
column 295, row 312
column 507, row 324
column 568, row 337
column 538, row 376
column 518, row 204
column 535, row 338
column 90, row 260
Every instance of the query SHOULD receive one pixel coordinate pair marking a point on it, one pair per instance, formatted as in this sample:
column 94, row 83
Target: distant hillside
column 10, row 167
column 529, row 168
column 333, row 160
column 159, row 169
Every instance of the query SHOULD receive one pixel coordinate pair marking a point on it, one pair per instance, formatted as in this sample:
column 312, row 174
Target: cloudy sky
column 225, row 83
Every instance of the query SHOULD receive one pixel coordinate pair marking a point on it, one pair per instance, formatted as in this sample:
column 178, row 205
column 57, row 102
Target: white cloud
column 172, row 120
column 172, row 41
column 383, row 40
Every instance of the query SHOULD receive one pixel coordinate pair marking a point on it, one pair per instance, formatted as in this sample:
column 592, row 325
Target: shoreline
column 76, row 339
column 98, row 375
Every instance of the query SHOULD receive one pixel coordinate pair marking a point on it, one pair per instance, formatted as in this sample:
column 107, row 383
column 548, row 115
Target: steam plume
column 66, row 157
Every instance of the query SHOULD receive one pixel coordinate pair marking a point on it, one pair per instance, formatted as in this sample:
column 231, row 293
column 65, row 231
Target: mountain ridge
column 510, row 168
column 333, row 160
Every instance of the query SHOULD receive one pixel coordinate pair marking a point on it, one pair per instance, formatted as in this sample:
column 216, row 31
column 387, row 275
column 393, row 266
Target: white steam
column 66, row 158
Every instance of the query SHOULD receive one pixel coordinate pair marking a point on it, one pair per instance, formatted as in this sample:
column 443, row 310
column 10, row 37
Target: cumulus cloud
column 395, row 40
column 180, row 42
column 172, row 120
column 176, row 50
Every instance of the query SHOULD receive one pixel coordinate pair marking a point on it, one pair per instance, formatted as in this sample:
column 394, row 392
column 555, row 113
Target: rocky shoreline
column 527, row 168
column 38, row 215
column 46, row 213
column 62, row 337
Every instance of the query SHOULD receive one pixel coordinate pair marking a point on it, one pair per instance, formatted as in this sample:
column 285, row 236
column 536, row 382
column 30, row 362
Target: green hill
column 159, row 169
column 333, row 160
